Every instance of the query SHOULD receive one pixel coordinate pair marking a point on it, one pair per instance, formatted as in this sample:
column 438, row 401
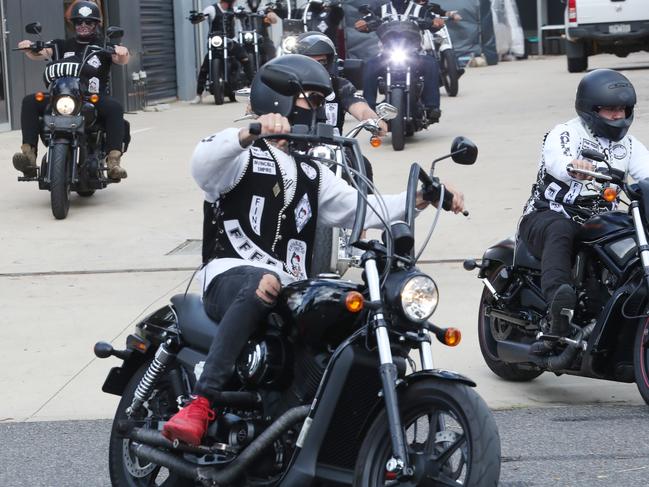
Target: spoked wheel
column 60, row 162
column 126, row 470
column 451, row 436
column 641, row 359
column 490, row 330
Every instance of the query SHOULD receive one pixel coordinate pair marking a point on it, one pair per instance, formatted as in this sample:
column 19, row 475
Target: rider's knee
column 268, row 288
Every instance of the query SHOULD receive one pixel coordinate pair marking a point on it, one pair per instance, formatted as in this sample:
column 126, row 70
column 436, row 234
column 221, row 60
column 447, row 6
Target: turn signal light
column 375, row 141
column 354, row 301
column 94, row 98
column 452, row 337
column 40, row 96
column 610, row 195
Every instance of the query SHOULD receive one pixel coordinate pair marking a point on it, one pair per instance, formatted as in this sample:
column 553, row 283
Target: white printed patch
column 303, row 213
column 93, row 85
column 257, row 152
column 245, row 247
column 256, row 210
column 557, row 207
column 573, row 192
column 551, row 191
column 296, row 258
column 69, row 54
column 322, row 26
column 589, row 144
column 94, row 62
column 618, row 151
column 198, row 369
column 85, row 11
column 263, row 166
column 310, row 172
column 331, row 109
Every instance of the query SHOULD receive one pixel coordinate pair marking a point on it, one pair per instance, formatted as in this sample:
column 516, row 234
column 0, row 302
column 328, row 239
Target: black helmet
column 605, row 88
column 85, row 11
column 317, row 44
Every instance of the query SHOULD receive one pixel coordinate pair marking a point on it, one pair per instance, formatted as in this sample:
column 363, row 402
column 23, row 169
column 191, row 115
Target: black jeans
column 231, row 300
column 109, row 110
column 550, row 237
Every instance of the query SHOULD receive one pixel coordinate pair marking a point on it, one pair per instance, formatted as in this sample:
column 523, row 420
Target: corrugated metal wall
column 159, row 49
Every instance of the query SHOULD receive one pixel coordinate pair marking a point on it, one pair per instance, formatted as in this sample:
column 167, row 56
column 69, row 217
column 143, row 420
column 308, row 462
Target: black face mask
column 301, row 116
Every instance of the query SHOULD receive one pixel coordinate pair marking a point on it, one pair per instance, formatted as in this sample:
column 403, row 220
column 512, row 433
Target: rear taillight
column 572, row 11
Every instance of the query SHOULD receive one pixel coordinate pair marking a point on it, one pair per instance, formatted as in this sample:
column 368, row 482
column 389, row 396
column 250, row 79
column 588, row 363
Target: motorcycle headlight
column 323, row 152
column 248, row 37
column 398, row 56
column 216, row 41
column 419, row 298
column 65, row 105
column 289, row 44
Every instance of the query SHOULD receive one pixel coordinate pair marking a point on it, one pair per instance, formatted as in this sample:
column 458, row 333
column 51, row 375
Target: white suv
column 594, row 26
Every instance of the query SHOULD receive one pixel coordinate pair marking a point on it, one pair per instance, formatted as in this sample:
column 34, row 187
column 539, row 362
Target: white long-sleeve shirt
column 219, row 162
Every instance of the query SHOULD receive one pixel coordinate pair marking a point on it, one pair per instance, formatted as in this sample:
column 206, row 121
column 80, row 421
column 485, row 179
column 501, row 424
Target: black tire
column 321, row 261
column 474, row 452
column 60, row 160
column 488, row 347
column 218, row 85
column 576, row 56
column 641, row 359
column 449, row 72
column 86, row 193
column 161, row 406
column 397, row 125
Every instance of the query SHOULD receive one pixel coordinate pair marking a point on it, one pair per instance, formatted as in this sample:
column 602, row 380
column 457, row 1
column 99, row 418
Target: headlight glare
column 419, row 298
column 398, row 56
column 289, row 44
column 248, row 37
column 216, row 41
column 65, row 105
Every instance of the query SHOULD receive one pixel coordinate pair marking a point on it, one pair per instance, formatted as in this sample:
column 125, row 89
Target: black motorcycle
column 609, row 326
column 250, row 37
column 75, row 140
column 322, row 395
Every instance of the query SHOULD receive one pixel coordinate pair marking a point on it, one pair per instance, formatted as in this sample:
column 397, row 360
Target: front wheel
column 60, row 164
column 450, row 433
column 449, row 71
column 218, row 85
column 641, row 359
column 398, row 124
column 322, row 253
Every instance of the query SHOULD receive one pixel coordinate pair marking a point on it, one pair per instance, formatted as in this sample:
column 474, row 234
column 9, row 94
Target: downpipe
column 208, row 475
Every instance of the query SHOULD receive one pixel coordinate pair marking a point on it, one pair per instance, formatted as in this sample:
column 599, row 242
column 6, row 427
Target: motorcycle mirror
column 114, row 32
column 464, row 151
column 242, row 95
column 34, row 28
column 283, row 82
column 386, row 111
column 593, row 155
column 364, row 9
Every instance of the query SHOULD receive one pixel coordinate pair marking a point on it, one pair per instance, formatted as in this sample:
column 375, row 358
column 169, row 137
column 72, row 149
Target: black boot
column 564, row 298
column 433, row 114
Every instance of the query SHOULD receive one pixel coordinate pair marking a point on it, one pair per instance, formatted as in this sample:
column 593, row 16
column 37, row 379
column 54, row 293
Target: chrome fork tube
column 641, row 235
column 426, row 353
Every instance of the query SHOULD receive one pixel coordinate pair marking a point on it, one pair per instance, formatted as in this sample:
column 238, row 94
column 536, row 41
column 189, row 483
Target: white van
column 595, row 26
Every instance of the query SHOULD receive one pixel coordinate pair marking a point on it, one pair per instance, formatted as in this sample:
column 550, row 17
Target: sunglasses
column 315, row 99
column 90, row 23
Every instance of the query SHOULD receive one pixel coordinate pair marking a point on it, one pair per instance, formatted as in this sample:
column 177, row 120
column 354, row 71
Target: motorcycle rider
column 261, row 233
column 325, row 17
column 558, row 204
column 87, row 20
column 426, row 65
column 271, row 18
column 220, row 17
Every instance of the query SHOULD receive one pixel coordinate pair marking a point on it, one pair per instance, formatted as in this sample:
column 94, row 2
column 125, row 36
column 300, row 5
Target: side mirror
column 283, row 82
column 593, row 155
column 386, row 111
column 34, row 28
column 364, row 9
column 242, row 95
column 463, row 151
column 114, row 32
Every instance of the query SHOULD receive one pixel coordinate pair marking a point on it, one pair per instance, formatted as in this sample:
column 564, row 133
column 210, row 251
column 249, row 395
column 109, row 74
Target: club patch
column 331, row 111
column 85, row 11
column 589, row 144
column 263, row 166
column 573, row 192
column 303, row 213
column 296, row 258
column 94, row 62
column 619, row 151
column 256, row 210
column 310, row 172
column 69, row 54
column 551, row 191
column 245, row 247
column 257, row 152
column 93, row 85
column 276, row 190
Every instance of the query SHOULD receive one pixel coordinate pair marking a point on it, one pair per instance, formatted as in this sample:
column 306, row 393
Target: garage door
column 158, row 44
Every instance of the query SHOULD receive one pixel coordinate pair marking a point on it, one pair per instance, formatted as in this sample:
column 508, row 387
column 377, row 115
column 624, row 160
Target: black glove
column 431, row 193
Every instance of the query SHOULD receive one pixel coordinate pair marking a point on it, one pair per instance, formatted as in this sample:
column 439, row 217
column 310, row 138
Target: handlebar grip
column 447, row 204
column 254, row 128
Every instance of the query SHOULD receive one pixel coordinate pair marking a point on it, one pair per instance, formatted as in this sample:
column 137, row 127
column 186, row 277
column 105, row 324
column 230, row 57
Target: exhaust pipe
column 513, row 352
column 207, row 475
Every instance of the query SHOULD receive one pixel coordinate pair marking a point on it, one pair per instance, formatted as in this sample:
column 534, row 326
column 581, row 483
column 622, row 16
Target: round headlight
column 289, row 44
column 65, row 105
column 419, row 298
column 398, row 56
column 216, row 41
column 323, row 152
column 248, row 37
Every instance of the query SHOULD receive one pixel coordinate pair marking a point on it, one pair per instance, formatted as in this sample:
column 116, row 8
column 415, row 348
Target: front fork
column 399, row 462
column 643, row 246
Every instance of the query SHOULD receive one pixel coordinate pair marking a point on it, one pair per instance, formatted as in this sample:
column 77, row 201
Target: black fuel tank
column 316, row 309
column 600, row 226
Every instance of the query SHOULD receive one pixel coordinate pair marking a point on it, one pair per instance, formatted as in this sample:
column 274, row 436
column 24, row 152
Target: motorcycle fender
column 446, row 375
column 64, row 124
column 502, row 252
column 118, row 377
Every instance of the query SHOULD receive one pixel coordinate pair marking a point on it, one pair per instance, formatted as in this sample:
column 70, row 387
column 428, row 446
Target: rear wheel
column 576, row 56
column 641, row 359
column 398, row 124
column 60, row 167
column 450, row 74
column 451, row 437
column 218, row 85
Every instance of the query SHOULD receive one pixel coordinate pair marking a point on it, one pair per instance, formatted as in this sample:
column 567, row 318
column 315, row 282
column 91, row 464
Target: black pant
column 231, row 300
column 550, row 237
column 235, row 50
column 109, row 111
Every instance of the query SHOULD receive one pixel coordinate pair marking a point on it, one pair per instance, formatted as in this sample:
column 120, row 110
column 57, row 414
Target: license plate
column 619, row 28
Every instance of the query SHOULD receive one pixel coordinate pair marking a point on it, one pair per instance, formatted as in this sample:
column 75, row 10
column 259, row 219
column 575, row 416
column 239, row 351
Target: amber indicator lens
column 40, row 96
column 610, row 194
column 452, row 337
column 94, row 99
column 375, row 141
column 354, row 301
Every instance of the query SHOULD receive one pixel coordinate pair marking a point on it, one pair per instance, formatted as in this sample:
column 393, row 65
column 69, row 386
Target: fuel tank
column 608, row 223
column 316, row 310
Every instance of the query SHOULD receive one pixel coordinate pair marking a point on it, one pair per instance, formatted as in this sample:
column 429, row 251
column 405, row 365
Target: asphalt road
column 582, row 446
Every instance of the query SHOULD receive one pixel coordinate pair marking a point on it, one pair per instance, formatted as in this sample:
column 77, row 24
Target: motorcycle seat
column 523, row 256
column 196, row 328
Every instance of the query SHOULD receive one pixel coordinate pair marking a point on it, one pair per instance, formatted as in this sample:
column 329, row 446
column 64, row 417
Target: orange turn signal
column 375, row 141
column 40, row 96
column 94, row 98
column 609, row 195
column 354, row 301
column 452, row 337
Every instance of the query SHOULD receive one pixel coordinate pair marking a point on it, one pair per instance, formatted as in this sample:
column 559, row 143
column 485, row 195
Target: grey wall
column 186, row 48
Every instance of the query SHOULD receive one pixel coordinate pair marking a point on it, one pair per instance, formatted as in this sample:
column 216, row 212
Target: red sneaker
column 190, row 423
